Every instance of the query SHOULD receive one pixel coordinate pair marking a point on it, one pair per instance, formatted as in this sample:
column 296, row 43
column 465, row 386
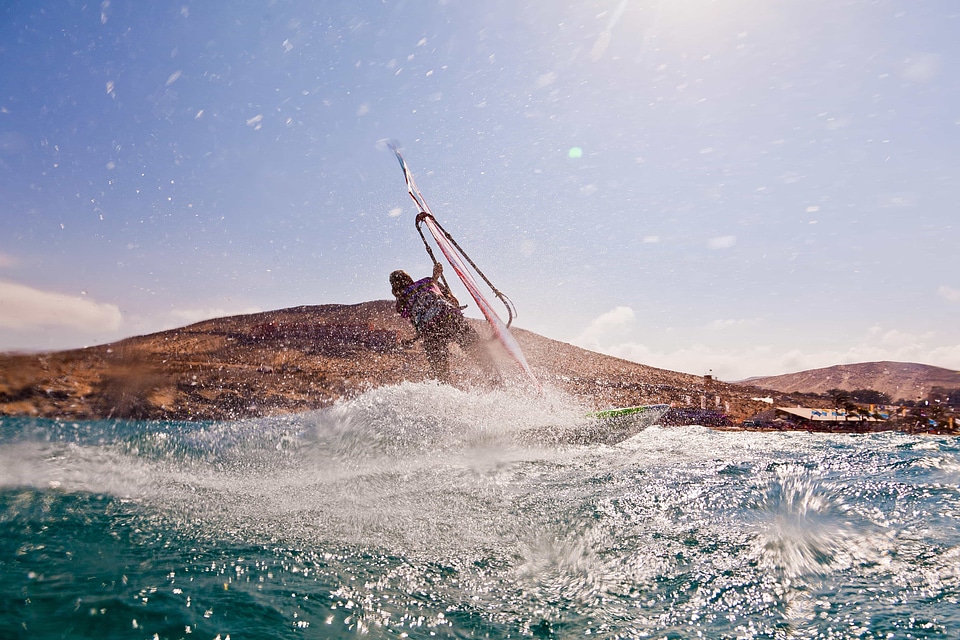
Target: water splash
column 421, row 509
column 808, row 530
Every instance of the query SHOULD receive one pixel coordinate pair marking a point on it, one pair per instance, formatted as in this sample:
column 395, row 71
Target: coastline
column 307, row 358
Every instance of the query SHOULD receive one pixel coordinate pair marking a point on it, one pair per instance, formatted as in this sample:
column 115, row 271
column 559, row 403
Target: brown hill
column 899, row 380
column 306, row 358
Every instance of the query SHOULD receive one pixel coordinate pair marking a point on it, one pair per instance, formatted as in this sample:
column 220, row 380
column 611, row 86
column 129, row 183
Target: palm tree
column 839, row 397
column 843, row 401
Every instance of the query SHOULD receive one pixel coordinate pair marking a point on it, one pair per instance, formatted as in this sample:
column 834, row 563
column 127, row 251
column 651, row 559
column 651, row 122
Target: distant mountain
column 899, row 380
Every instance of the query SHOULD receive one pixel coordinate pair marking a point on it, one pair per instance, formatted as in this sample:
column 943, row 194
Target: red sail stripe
column 499, row 328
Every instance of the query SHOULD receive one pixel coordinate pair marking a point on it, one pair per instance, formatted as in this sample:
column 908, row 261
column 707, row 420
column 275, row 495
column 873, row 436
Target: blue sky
column 761, row 187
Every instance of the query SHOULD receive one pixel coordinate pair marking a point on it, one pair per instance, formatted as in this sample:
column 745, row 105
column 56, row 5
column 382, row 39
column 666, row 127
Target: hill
column 306, row 358
column 899, row 380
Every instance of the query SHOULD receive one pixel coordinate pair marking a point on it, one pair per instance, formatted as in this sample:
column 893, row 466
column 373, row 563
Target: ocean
column 423, row 511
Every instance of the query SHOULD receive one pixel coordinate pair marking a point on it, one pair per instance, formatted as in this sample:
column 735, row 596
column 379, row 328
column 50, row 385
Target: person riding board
column 436, row 317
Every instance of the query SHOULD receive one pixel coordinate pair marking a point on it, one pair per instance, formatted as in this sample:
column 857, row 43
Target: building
column 817, row 419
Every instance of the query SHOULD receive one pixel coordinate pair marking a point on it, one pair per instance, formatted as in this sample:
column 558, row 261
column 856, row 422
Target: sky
column 733, row 187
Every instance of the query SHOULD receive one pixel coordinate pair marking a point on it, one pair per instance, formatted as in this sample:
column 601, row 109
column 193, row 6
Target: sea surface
column 421, row 511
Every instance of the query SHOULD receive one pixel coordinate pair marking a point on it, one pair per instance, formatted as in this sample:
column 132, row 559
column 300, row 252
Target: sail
column 454, row 258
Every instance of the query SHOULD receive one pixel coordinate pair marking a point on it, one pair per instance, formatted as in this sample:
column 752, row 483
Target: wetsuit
column 436, row 321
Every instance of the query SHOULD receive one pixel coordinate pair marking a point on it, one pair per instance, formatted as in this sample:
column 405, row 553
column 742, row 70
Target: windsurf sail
column 457, row 259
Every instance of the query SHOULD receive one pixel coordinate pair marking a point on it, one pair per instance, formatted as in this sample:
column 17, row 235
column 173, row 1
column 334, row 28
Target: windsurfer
column 436, row 318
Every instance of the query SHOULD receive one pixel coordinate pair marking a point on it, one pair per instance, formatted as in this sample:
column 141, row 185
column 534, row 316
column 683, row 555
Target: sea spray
column 430, row 511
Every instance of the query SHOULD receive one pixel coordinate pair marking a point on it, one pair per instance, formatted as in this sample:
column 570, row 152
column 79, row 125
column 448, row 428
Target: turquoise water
column 421, row 511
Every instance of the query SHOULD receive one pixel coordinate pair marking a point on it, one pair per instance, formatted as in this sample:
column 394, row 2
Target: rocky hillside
column 899, row 380
column 306, row 358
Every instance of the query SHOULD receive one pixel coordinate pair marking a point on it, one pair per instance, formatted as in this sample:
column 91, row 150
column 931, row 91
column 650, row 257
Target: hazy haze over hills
column 899, row 380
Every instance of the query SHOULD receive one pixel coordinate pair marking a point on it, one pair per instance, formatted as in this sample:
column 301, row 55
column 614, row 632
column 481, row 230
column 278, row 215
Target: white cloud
column 608, row 334
column 601, row 329
column 722, row 242
column 32, row 319
column 949, row 293
column 23, row 307
column 946, row 356
column 900, row 340
column 546, row 79
column 182, row 317
column 699, row 359
column 732, row 364
column 921, row 67
column 729, row 323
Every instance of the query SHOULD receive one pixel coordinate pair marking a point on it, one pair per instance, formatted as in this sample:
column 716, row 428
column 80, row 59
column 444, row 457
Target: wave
column 475, row 510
